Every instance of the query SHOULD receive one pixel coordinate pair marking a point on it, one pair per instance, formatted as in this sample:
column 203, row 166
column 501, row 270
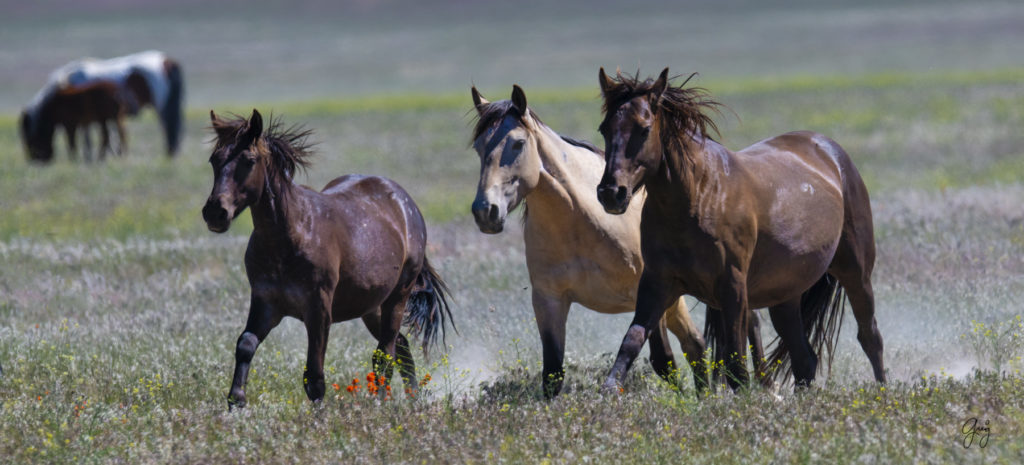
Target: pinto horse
column 575, row 252
column 145, row 79
column 356, row 249
column 73, row 108
column 784, row 224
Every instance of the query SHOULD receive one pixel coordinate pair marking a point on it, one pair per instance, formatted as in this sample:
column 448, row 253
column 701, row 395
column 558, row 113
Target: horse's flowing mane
column 682, row 110
column 289, row 147
column 490, row 114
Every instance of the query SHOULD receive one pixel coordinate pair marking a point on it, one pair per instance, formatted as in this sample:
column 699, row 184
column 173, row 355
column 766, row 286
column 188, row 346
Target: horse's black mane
column 289, row 147
column 583, row 144
column 682, row 109
column 490, row 114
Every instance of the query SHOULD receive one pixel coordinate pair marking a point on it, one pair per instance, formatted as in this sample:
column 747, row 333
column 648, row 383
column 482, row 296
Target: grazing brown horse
column 784, row 224
column 356, row 249
column 72, row 108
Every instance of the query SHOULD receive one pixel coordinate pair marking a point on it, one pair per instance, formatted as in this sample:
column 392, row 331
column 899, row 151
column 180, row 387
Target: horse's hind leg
column 392, row 313
column 677, row 318
column 69, row 131
column 87, row 138
column 788, row 324
column 856, row 281
column 122, row 141
column 852, row 266
column 104, row 140
column 261, row 320
column 406, row 363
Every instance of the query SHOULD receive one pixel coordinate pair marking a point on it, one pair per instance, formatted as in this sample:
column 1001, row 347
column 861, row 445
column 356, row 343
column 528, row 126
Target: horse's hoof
column 236, row 400
column 804, row 385
column 611, row 387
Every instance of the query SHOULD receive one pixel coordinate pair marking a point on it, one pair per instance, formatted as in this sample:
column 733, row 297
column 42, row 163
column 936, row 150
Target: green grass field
column 119, row 311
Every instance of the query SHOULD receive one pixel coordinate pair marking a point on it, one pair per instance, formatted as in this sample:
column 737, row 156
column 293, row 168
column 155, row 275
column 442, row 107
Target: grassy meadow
column 119, row 311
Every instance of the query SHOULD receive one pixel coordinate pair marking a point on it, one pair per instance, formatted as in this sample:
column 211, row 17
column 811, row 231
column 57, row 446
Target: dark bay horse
column 356, row 249
column 74, row 108
column 784, row 224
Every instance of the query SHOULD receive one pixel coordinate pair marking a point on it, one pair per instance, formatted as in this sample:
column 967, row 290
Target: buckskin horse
column 575, row 252
column 145, row 79
column 784, row 224
column 356, row 249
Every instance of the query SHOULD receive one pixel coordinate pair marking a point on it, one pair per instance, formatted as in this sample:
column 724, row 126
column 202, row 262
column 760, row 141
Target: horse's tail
column 427, row 310
column 171, row 114
column 821, row 311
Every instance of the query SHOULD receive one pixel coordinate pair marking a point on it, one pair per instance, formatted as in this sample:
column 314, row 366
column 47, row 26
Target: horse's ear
column 478, row 99
column 659, row 87
column 519, row 98
column 603, row 80
column 213, row 117
column 253, row 129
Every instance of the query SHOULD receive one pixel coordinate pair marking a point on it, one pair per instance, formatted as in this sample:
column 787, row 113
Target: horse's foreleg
column 677, row 318
column 318, row 327
column 653, row 297
column 732, row 295
column 757, row 350
column 261, row 320
column 662, row 359
column 551, row 313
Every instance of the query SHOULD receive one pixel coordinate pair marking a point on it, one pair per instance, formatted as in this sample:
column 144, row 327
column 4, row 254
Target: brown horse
column 356, row 249
column 72, row 108
column 784, row 224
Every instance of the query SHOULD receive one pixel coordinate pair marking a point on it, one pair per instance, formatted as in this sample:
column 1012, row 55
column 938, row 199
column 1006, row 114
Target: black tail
column 171, row 114
column 821, row 309
column 427, row 310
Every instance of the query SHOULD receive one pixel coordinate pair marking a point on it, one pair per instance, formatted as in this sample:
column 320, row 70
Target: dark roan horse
column 784, row 224
column 356, row 249
column 75, row 108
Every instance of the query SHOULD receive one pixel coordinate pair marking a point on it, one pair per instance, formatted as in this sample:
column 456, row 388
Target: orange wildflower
column 336, row 387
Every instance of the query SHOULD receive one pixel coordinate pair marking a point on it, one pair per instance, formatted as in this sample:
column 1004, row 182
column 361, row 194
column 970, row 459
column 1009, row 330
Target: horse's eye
column 518, row 145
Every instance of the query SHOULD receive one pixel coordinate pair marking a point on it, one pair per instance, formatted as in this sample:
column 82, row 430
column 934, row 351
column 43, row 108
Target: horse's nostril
column 492, row 214
column 620, row 195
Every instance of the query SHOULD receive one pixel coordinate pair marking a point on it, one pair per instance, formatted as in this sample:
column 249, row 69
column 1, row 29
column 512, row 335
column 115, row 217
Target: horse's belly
column 600, row 288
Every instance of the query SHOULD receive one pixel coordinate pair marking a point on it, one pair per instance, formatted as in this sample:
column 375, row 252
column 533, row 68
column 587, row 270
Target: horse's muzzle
column 614, row 199
column 488, row 217
column 217, row 218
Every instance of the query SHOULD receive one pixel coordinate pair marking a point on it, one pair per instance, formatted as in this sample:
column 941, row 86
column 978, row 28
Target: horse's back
column 361, row 198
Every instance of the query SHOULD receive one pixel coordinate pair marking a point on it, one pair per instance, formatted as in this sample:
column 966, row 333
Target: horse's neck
column 693, row 176
column 568, row 179
column 272, row 213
